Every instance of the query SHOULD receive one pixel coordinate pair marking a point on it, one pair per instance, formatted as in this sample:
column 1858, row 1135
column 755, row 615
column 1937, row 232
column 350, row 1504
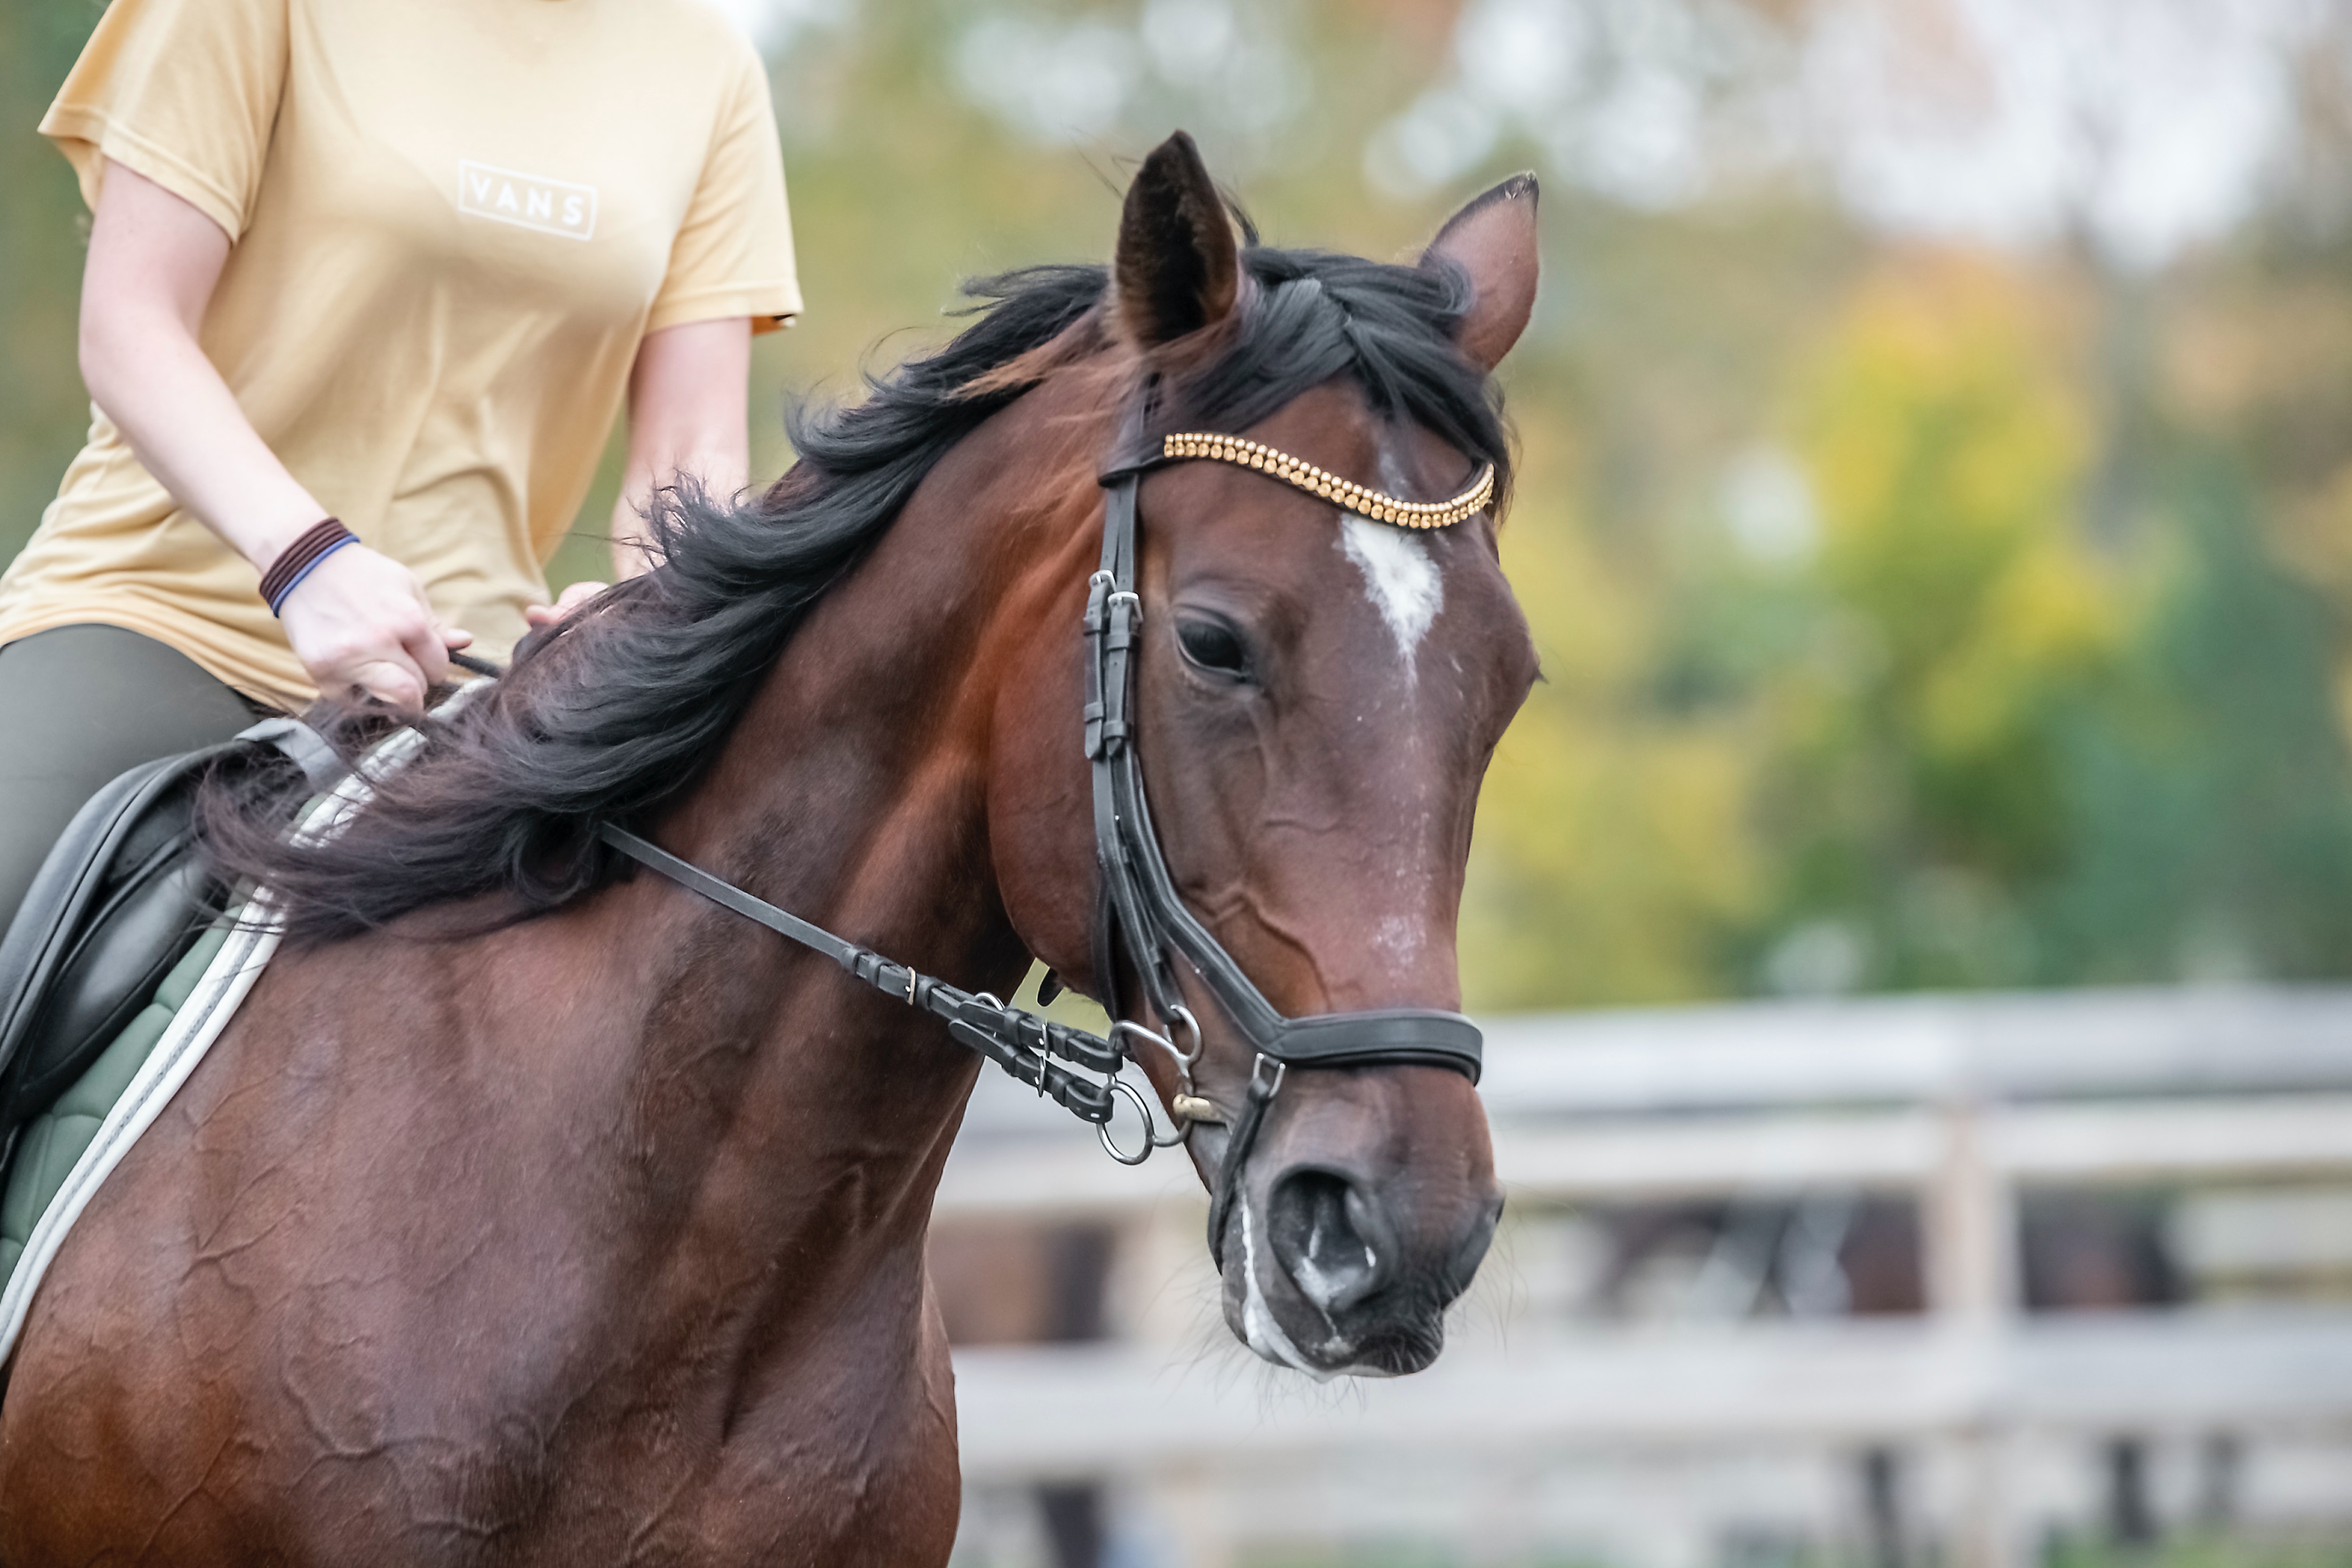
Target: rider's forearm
column 357, row 620
column 688, row 418
column 153, row 381
column 153, row 261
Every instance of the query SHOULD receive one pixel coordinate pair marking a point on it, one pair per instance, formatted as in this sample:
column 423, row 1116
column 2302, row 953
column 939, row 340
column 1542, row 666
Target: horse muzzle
column 1346, row 1245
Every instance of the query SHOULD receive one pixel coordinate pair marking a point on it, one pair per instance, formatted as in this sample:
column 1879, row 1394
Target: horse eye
column 1214, row 645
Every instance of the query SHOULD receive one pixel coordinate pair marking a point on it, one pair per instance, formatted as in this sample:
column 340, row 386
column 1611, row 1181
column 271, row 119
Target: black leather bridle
column 1139, row 908
column 1140, row 919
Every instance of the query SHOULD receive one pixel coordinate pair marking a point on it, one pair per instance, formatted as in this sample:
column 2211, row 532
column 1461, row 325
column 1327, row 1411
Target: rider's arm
column 688, row 408
column 689, row 416
column 359, row 618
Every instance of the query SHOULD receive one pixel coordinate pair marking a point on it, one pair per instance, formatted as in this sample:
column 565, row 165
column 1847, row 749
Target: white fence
column 1676, row 1442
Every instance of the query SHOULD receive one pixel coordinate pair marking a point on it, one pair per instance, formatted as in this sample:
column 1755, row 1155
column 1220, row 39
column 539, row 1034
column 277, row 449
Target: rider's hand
column 571, row 599
column 359, row 619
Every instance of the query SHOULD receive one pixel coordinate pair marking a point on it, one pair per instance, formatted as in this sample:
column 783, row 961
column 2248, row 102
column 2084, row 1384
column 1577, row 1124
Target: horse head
column 1316, row 695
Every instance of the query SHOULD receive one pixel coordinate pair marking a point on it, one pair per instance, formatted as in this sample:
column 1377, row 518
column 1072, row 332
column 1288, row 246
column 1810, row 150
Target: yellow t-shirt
column 453, row 221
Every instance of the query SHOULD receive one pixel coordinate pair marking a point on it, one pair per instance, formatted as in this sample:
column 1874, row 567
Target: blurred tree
column 43, row 413
column 1919, row 781
column 2210, row 810
column 1611, row 848
column 1996, row 757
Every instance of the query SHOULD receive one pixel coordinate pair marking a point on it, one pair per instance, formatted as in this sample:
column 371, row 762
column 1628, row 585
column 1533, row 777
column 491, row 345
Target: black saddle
column 121, row 898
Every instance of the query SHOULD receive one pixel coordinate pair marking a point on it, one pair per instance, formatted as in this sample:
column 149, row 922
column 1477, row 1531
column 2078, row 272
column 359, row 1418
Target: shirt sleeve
column 733, row 252
column 183, row 92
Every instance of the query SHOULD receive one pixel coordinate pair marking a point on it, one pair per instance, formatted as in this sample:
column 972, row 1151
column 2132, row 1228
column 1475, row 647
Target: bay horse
column 536, row 1211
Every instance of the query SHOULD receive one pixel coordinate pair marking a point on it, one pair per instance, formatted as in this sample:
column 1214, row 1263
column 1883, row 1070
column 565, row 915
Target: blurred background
column 1936, row 519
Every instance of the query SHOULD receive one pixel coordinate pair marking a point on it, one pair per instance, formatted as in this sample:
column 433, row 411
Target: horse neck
column 854, row 794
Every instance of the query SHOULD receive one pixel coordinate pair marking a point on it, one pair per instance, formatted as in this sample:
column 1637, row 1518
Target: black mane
column 620, row 711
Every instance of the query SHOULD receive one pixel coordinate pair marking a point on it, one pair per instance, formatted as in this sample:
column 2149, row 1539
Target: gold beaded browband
column 1302, row 475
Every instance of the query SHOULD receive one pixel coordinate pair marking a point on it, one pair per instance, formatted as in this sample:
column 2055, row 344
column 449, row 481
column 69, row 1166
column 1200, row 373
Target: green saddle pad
column 51, row 1143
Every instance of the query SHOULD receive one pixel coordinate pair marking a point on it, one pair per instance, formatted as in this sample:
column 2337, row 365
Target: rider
column 366, row 286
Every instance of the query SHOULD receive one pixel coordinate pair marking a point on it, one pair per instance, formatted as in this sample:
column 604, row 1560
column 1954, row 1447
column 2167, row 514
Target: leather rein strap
column 1020, row 1042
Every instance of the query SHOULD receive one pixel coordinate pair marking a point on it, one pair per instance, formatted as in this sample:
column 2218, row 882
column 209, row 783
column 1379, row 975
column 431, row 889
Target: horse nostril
column 1317, row 1239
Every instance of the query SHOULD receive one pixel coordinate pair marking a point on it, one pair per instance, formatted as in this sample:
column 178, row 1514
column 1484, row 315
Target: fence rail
column 1966, row 1103
column 1033, row 1412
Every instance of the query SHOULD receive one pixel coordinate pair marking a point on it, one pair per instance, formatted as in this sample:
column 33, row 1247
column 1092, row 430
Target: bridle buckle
column 1262, row 1087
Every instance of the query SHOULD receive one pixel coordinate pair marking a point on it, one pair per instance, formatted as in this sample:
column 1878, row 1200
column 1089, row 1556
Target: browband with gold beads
column 1303, row 475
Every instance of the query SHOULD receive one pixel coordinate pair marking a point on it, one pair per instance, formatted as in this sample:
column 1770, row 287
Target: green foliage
column 2203, row 1549
column 2210, row 815
column 1995, row 757
column 1611, row 847
column 43, row 414
column 1958, row 626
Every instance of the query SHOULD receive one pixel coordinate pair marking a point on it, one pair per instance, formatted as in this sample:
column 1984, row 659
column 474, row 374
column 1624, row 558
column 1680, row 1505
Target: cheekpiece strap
column 1300, row 474
column 1139, row 902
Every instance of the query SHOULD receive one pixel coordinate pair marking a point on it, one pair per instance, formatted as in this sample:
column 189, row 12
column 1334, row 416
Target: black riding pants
column 79, row 705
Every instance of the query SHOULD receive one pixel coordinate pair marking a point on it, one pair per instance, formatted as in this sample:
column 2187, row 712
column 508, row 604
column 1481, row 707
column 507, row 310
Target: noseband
column 1140, row 917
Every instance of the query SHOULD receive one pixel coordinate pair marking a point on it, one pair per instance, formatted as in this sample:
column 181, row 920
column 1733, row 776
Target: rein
column 1018, row 1041
column 1139, row 914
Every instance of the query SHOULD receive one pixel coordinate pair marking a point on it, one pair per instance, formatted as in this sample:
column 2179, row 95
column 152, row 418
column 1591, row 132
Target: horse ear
column 1178, row 267
column 1494, row 241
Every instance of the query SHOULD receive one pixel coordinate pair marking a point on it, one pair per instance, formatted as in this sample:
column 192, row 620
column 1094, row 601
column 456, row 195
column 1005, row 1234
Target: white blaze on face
column 1400, row 579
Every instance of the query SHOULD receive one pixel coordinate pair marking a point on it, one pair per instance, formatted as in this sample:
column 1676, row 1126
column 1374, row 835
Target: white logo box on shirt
column 526, row 201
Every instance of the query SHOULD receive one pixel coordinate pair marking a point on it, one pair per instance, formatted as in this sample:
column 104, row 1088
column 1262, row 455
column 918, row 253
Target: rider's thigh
column 79, row 705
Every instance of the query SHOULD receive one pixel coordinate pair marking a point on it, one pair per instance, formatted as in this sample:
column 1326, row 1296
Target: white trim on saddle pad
column 192, row 1030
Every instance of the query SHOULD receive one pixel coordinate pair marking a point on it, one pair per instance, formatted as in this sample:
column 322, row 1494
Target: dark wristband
column 299, row 558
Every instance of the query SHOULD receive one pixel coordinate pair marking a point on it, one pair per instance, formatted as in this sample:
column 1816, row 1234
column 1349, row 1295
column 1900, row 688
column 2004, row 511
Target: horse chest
column 392, row 1388
column 827, row 1466
column 841, row 1451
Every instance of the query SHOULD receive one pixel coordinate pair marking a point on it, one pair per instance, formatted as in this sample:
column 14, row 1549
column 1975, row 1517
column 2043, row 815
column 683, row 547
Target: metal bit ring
column 1102, row 1128
column 1180, row 1013
column 1184, row 1063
